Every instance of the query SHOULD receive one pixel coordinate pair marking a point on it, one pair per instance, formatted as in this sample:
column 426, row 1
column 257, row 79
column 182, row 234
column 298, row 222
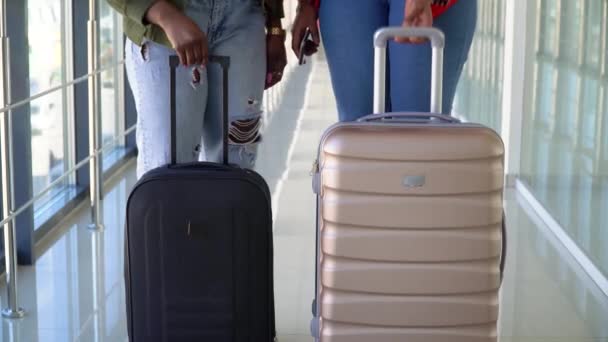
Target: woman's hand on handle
column 185, row 36
column 417, row 13
column 306, row 18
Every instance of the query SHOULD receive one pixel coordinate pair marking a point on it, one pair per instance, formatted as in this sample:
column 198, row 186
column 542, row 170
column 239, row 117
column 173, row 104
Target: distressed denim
column 234, row 28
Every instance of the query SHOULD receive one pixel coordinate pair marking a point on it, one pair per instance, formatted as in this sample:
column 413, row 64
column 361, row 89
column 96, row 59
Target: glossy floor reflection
column 75, row 292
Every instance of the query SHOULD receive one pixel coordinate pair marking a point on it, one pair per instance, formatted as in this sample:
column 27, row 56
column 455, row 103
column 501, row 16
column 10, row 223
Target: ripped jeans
column 234, row 28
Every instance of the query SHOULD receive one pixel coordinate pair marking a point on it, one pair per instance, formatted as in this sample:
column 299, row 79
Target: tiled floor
column 76, row 293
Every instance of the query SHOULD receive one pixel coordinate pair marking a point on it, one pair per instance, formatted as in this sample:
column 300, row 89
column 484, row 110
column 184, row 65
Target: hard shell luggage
column 199, row 250
column 410, row 224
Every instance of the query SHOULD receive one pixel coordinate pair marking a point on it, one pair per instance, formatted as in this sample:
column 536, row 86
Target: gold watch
column 276, row 31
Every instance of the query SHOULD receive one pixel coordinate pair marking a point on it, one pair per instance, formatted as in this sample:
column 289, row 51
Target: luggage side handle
column 409, row 117
column 224, row 62
column 437, row 43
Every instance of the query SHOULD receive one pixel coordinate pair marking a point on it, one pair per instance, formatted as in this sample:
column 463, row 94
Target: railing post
column 94, row 123
column 98, row 294
column 10, row 252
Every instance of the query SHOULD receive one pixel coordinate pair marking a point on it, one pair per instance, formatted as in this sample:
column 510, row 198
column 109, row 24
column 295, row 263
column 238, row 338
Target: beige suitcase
column 410, row 223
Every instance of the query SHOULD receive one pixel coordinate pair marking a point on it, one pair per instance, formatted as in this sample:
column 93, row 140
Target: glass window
column 548, row 26
column 110, row 50
column 565, row 116
column 570, row 30
column 593, row 33
column 567, row 107
column 604, row 158
column 546, row 94
column 479, row 91
column 590, row 113
column 564, row 155
column 542, row 165
column 501, row 19
column 50, row 146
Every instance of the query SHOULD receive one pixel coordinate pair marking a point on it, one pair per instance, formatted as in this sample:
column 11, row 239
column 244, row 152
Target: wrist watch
column 276, row 31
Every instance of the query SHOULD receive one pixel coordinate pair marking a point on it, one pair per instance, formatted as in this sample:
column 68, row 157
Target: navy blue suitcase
column 199, row 249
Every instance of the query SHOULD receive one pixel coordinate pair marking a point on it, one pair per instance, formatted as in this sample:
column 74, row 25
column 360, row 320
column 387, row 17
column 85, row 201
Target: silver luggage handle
column 409, row 117
column 437, row 43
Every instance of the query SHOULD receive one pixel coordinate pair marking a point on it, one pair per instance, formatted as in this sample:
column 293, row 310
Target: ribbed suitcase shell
column 403, row 261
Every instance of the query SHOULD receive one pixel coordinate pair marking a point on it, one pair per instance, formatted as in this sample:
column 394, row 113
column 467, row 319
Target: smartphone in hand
column 307, row 44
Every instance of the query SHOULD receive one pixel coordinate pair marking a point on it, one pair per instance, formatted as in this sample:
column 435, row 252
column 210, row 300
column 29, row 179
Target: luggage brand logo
column 413, row 181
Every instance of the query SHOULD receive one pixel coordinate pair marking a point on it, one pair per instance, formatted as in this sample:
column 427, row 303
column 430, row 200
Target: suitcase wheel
column 314, row 307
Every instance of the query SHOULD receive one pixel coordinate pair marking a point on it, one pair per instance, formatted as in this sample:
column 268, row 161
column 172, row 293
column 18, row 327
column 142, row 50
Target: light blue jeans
column 234, row 28
column 347, row 29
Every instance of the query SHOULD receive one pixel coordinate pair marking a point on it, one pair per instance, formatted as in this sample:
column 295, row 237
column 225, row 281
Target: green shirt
column 136, row 29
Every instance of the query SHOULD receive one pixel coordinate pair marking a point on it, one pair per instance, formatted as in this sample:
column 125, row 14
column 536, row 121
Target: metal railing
column 94, row 122
column 10, row 253
column 96, row 150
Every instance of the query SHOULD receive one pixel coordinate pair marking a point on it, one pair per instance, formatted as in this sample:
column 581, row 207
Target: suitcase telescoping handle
column 380, row 41
column 409, row 117
column 224, row 62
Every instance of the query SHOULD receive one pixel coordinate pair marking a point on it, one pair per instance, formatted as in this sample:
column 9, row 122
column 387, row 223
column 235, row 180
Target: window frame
column 75, row 123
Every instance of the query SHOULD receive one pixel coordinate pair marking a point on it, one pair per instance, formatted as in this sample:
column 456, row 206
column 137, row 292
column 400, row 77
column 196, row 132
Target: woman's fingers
column 197, row 52
column 181, row 53
column 417, row 13
column 297, row 36
column 190, row 60
column 314, row 30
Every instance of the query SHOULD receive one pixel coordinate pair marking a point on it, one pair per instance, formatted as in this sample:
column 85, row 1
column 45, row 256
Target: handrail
column 67, row 173
column 59, row 87
column 12, row 310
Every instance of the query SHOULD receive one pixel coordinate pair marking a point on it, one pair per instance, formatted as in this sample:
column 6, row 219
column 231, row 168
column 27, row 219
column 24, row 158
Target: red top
column 438, row 6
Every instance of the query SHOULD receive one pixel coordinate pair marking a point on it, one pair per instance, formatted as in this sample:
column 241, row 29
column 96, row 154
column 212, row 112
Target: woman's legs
column 347, row 29
column 148, row 74
column 239, row 33
column 410, row 65
column 237, row 30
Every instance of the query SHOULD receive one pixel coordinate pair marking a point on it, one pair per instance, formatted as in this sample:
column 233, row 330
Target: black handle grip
column 224, row 62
